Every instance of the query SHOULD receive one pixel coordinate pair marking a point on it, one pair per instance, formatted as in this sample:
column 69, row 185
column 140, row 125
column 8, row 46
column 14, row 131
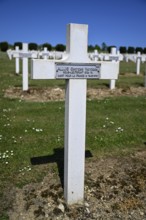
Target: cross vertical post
column 25, row 68
column 75, row 117
column 138, row 63
column 17, row 61
column 113, row 81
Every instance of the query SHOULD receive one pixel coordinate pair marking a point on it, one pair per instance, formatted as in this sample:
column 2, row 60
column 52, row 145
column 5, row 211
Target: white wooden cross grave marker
column 44, row 53
column 24, row 54
column 114, row 56
column 76, row 68
column 137, row 58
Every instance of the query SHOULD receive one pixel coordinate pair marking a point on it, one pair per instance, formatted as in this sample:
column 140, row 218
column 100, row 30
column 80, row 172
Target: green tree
column 97, row 47
column 60, row 47
column 47, row 45
column 131, row 50
column 138, row 49
column 104, row 47
column 144, row 50
column 109, row 48
column 122, row 49
column 18, row 44
column 90, row 48
column 32, row 46
column 4, row 46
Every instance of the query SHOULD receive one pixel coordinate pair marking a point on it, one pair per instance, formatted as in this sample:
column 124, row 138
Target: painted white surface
column 75, row 122
column 75, row 107
column 25, row 68
column 17, row 70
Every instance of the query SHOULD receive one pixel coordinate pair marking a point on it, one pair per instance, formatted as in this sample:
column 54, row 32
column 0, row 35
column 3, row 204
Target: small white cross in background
column 24, row 54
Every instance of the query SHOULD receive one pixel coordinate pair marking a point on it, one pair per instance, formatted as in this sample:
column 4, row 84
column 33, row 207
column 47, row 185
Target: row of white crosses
column 25, row 54
column 75, row 68
column 45, row 54
column 137, row 58
column 114, row 56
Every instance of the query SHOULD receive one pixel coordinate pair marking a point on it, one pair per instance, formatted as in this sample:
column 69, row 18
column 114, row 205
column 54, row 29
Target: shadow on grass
column 57, row 157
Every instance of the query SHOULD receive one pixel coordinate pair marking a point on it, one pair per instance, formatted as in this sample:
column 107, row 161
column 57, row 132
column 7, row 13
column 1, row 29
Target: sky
column 113, row 22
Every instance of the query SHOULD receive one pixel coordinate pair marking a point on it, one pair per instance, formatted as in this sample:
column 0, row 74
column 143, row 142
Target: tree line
column 4, row 46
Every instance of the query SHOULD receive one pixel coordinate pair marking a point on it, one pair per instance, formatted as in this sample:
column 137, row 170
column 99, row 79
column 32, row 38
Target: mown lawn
column 33, row 129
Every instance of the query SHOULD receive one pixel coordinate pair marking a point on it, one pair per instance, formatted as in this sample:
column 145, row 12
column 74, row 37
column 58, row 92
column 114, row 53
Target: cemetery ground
column 32, row 139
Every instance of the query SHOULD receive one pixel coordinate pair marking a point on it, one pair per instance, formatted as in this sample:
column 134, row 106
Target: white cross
column 114, row 56
column 44, row 53
column 94, row 56
column 75, row 67
column 24, row 54
column 137, row 58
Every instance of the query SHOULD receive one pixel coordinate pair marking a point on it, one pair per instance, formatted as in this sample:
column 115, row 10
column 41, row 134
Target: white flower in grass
column 104, row 126
column 25, row 131
column 6, row 162
column 38, row 130
column 58, row 138
column 119, row 129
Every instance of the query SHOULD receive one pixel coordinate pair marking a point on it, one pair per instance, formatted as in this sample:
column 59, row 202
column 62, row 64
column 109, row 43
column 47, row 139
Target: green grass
column 33, row 129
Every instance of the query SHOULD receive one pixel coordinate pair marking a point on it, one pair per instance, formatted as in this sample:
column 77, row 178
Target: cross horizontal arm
column 46, row 69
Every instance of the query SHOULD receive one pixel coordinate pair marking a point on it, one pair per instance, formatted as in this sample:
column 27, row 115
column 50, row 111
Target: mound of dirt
column 58, row 94
column 115, row 188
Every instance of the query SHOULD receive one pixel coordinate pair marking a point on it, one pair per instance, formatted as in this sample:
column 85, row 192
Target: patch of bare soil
column 115, row 188
column 58, row 94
